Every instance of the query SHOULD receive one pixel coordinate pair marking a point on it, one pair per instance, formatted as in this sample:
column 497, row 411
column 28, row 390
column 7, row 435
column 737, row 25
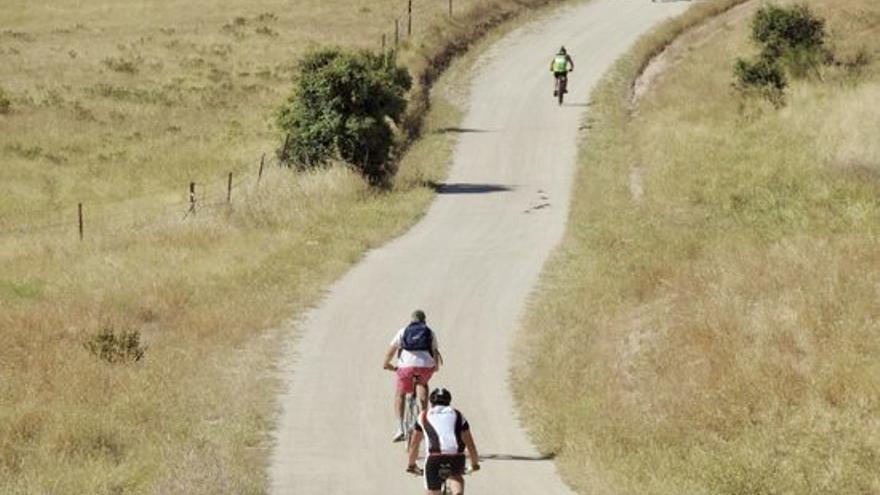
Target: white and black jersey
column 442, row 427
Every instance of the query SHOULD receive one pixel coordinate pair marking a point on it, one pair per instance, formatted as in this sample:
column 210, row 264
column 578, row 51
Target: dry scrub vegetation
column 140, row 360
column 719, row 332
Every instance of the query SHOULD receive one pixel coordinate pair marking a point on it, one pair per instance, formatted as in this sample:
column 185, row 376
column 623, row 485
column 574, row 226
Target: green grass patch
column 20, row 290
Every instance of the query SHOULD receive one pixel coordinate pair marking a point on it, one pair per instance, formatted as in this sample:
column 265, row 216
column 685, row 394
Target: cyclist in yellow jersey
column 560, row 66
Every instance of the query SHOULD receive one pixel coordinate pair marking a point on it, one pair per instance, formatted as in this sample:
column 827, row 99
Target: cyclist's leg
column 398, row 404
column 404, row 385
column 456, row 479
column 456, row 482
column 422, row 394
column 433, row 482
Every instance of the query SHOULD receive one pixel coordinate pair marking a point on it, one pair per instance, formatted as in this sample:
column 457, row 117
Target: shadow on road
column 458, row 130
column 468, row 188
column 513, row 457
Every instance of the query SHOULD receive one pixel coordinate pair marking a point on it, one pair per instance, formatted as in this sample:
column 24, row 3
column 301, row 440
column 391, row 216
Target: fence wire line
column 133, row 213
column 207, row 195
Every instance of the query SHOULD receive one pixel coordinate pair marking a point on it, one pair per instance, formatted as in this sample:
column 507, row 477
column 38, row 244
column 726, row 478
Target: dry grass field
column 120, row 107
column 114, row 100
column 719, row 280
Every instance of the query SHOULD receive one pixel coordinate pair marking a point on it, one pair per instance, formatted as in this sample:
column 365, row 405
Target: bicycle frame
column 446, row 475
column 561, row 86
column 411, row 410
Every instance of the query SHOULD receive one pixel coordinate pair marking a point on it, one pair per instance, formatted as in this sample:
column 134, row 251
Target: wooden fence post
column 229, row 189
column 80, row 214
column 396, row 33
column 450, row 9
column 260, row 173
column 383, row 43
column 192, row 197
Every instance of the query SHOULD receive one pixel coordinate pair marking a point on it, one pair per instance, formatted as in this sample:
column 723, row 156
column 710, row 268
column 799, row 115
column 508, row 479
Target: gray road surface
column 470, row 264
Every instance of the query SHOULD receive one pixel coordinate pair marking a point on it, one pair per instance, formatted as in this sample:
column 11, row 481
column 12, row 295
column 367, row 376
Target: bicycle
column 411, row 410
column 445, row 473
column 561, row 86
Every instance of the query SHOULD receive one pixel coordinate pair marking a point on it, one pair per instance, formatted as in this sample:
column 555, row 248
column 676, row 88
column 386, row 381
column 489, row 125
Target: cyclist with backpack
column 418, row 358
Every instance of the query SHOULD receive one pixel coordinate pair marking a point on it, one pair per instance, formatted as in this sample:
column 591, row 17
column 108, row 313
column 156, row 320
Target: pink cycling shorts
column 405, row 378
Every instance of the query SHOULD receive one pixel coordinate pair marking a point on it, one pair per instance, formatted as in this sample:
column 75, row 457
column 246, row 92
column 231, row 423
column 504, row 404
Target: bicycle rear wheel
column 560, row 93
column 410, row 416
column 445, row 489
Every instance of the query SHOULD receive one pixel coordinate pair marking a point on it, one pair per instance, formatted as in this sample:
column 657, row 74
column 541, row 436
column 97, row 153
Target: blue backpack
column 418, row 337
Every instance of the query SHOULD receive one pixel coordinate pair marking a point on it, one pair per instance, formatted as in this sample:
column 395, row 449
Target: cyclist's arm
column 435, row 352
column 471, row 447
column 414, row 444
column 389, row 356
column 571, row 62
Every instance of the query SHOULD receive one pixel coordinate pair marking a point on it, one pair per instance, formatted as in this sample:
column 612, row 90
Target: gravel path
column 470, row 264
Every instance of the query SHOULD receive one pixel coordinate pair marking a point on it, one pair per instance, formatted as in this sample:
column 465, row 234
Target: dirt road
column 470, row 264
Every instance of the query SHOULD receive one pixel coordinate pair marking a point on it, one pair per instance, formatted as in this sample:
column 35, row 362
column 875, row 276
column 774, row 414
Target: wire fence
column 148, row 209
column 402, row 27
column 158, row 207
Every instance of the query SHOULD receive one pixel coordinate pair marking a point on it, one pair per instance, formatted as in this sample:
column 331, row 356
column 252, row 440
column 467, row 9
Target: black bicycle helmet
column 562, row 50
column 440, row 397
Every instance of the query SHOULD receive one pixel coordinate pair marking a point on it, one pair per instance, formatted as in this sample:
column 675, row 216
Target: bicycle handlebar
column 417, row 471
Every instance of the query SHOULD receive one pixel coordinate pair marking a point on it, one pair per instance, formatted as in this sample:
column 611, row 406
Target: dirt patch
column 682, row 46
column 635, row 183
column 671, row 56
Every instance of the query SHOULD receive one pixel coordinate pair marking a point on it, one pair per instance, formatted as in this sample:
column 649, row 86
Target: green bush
column 341, row 107
column 791, row 39
column 764, row 73
column 763, row 78
column 781, row 31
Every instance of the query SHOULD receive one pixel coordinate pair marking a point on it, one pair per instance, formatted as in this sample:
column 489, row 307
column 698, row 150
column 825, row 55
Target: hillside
column 710, row 324
column 141, row 358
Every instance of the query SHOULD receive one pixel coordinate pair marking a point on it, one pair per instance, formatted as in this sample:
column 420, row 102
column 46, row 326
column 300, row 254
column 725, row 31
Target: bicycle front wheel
column 410, row 416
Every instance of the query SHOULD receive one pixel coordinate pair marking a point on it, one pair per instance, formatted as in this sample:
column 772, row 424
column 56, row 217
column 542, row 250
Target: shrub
column 5, row 103
column 793, row 35
column 764, row 73
column 783, row 30
column 789, row 37
column 763, row 78
column 341, row 107
column 116, row 347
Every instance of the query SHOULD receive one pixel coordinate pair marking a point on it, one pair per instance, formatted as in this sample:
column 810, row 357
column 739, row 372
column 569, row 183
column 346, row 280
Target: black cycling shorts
column 454, row 464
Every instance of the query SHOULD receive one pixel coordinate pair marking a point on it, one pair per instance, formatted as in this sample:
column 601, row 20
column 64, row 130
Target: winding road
column 470, row 264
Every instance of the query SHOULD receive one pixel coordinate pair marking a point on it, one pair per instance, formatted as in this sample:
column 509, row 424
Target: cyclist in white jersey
column 449, row 436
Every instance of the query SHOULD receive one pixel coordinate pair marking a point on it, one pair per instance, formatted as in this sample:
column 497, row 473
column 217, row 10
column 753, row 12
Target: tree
column 341, row 107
